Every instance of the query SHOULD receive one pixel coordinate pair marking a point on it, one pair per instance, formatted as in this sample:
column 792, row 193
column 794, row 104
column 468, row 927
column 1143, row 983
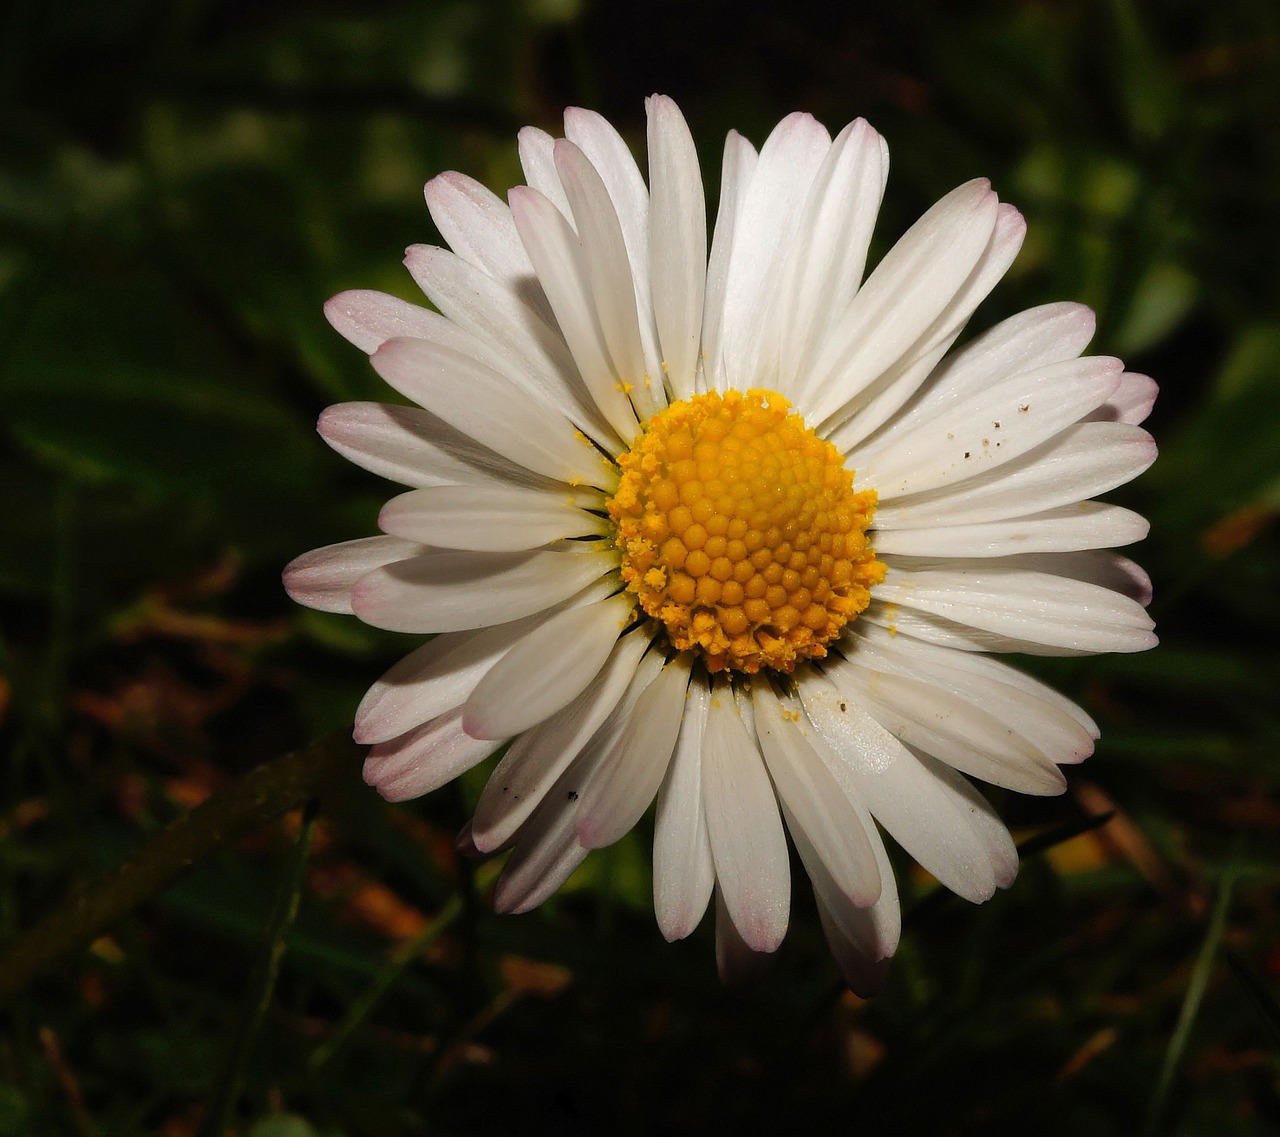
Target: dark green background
column 183, row 184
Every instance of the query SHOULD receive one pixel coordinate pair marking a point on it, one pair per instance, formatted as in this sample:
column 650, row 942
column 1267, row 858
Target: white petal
column 608, row 153
column 736, row 172
column 604, row 255
column 546, row 854
column 629, row 776
column 1083, row 461
column 823, row 264
column 921, row 803
column 1051, row 333
column 435, row 678
column 736, row 960
column 965, row 736
column 454, row 590
column 368, row 319
column 1009, row 600
column 1049, row 721
column 463, row 844
column 861, row 939
column 683, row 872
column 532, row 349
column 547, row 669
column 1086, row 525
column 547, row 849
column 477, row 225
column 918, row 278
column 487, row 518
column 554, row 249
column 983, row 819
column 537, row 158
column 878, row 403
column 747, row 841
column 677, row 242
column 378, row 319
column 990, row 429
column 424, row 759
column 477, row 400
column 814, row 801
column 431, row 331
column 1100, row 567
column 323, row 578
column 442, row 673
column 950, row 634
column 1092, row 566
column 539, row 756
column 789, row 159
column 1132, row 401
column 413, row 447
column 1022, row 699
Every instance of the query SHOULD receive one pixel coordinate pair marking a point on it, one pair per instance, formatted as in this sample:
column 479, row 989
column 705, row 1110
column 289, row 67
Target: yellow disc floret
column 740, row 530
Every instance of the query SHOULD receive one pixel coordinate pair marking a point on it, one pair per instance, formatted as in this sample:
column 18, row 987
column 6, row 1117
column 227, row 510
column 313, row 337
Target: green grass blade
column 262, row 985
column 1191, row 1002
column 361, row 1008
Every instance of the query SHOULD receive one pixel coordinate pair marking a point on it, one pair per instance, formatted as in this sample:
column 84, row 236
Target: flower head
column 732, row 529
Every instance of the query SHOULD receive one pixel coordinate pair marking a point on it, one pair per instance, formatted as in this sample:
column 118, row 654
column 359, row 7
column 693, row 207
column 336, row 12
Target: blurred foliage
column 183, row 183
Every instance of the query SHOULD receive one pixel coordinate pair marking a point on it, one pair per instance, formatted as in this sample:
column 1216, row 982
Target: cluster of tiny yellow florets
column 740, row 530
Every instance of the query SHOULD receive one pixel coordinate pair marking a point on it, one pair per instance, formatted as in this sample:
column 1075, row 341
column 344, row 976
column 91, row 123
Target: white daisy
column 732, row 530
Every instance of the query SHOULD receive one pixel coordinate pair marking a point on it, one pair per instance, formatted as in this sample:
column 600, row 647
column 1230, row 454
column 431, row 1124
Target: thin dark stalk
column 1199, row 981
column 257, row 797
column 263, row 984
column 361, row 1008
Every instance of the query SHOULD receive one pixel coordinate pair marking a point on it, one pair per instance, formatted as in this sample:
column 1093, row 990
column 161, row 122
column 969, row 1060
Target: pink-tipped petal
column 633, row 769
column 543, row 673
column 425, row 759
column 324, row 578
column 683, row 871
column 747, row 840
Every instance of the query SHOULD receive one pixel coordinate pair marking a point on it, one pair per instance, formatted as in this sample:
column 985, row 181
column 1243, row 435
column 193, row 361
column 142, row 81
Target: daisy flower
column 732, row 528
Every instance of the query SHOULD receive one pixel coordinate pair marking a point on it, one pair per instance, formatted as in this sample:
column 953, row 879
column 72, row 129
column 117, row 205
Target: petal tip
column 325, row 421
column 297, row 582
column 444, row 179
column 1005, row 876
column 475, row 725
column 764, row 935
column 676, row 929
column 588, row 832
column 465, row 844
column 378, row 777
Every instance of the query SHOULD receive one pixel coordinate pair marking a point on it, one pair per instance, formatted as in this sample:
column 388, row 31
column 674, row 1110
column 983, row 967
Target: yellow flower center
column 740, row 530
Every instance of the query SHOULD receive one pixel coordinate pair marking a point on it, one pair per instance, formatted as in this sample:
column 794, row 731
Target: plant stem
column 255, row 798
column 263, row 984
